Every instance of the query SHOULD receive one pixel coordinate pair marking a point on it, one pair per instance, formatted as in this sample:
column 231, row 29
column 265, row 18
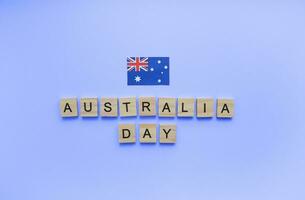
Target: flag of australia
column 148, row 70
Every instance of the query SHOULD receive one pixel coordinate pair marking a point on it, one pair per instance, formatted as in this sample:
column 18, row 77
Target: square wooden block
column 225, row 108
column 128, row 107
column 148, row 133
column 205, row 107
column 167, row 107
column 186, row 107
column 68, row 107
column 109, row 107
column 168, row 133
column 147, row 106
column 127, row 133
column 88, row 107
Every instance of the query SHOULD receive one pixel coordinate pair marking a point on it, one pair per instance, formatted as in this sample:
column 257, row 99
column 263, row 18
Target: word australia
column 147, row 106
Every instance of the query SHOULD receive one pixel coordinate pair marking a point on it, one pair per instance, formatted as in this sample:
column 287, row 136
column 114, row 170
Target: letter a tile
column 68, row 107
column 167, row 107
column 148, row 133
column 225, row 108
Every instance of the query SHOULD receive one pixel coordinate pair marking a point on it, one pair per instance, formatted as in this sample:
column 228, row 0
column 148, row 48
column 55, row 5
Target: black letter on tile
column 107, row 107
column 85, row 107
column 225, row 108
column 67, row 107
column 182, row 109
column 146, row 132
column 167, row 132
column 125, row 136
column 166, row 107
column 145, row 106
column 126, row 104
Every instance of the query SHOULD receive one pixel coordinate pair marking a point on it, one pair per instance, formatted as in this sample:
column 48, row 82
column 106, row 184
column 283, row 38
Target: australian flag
column 148, row 70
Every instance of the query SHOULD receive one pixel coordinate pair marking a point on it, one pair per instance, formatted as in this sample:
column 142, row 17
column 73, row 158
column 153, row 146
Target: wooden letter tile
column 167, row 107
column 127, row 133
column 128, row 107
column 88, row 107
column 147, row 106
column 109, row 107
column 186, row 107
column 148, row 133
column 205, row 107
column 168, row 133
column 68, row 107
column 225, row 108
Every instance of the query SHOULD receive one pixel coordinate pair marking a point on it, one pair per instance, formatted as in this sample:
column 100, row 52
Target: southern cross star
column 137, row 79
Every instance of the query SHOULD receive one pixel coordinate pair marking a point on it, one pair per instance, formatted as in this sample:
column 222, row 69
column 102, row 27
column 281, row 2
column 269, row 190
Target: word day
column 146, row 106
column 148, row 133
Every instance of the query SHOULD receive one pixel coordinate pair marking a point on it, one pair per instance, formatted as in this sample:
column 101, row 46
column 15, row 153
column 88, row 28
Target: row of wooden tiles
column 127, row 107
column 148, row 133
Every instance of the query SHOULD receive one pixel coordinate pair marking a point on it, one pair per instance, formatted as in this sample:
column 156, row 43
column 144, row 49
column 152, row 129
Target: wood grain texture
column 186, row 107
column 205, row 107
column 147, row 106
column 167, row 107
column 127, row 133
column 109, row 107
column 128, row 107
column 225, row 108
column 148, row 133
column 89, row 107
column 68, row 107
column 168, row 133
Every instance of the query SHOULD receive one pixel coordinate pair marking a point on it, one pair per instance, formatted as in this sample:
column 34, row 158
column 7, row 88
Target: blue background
column 252, row 51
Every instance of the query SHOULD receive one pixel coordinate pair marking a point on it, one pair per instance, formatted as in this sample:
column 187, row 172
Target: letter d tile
column 127, row 133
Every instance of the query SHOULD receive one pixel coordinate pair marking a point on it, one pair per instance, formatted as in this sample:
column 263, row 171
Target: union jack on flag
column 148, row 70
column 137, row 63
